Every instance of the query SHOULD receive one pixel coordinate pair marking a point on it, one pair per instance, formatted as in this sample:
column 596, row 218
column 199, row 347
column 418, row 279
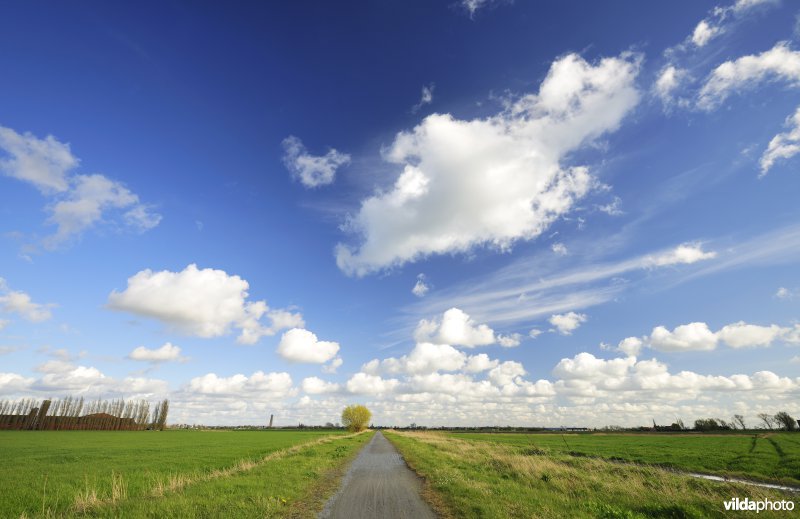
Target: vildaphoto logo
column 748, row 505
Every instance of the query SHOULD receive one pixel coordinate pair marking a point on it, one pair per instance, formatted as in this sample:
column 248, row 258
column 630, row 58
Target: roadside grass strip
column 472, row 478
column 168, row 489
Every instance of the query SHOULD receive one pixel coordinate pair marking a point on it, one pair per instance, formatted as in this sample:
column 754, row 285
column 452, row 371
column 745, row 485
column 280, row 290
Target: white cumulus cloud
column 333, row 365
column 778, row 63
column 78, row 202
column 685, row 254
column 698, row 336
column 455, row 328
column 568, row 322
column 201, row 302
column 259, row 383
column 424, row 358
column 299, row 345
column 317, row 386
column 89, row 198
column 165, row 353
column 312, row 170
column 703, row 33
column 509, row 341
column 743, row 335
column 420, row 287
column 669, row 80
column 686, row 337
column 494, row 181
column 45, row 163
column 18, row 302
column 480, row 362
column 630, row 346
column 784, row 145
column 362, row 383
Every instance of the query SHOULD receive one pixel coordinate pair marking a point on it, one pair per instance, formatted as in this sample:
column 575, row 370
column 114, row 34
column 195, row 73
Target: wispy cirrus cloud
column 520, row 293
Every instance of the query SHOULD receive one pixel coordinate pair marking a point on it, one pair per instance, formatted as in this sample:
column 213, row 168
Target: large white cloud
column 493, row 181
column 686, row 337
column 424, row 358
column 299, row 345
column 455, row 328
column 11, row 383
column 778, row 63
column 784, row 145
column 698, row 336
column 587, row 376
column 59, row 376
column 78, row 201
column 312, row 170
column 201, row 302
column 743, row 335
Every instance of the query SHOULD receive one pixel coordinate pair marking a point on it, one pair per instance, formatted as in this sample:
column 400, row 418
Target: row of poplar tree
column 77, row 414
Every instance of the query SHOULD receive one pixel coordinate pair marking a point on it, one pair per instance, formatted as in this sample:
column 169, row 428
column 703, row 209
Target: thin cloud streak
column 518, row 293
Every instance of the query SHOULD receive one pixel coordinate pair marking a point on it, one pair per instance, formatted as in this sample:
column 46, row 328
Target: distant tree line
column 781, row 420
column 76, row 414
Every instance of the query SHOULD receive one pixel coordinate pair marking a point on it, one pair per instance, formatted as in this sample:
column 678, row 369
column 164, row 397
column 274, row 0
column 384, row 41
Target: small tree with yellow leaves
column 356, row 417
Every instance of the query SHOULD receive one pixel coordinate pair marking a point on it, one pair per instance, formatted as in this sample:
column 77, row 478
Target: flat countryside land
column 292, row 473
column 170, row 473
column 772, row 457
column 590, row 475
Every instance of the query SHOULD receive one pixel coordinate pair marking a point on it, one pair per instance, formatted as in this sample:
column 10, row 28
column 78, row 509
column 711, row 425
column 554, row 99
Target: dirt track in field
column 378, row 484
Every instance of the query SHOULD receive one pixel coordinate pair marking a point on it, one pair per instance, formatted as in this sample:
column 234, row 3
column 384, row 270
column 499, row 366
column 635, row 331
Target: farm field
column 177, row 473
column 504, row 475
column 773, row 457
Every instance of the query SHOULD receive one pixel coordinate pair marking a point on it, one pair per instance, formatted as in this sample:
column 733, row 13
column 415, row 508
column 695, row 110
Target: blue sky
column 457, row 213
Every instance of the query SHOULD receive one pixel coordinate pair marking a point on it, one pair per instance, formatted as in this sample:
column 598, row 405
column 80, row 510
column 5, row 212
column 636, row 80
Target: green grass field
column 769, row 457
column 176, row 473
column 521, row 475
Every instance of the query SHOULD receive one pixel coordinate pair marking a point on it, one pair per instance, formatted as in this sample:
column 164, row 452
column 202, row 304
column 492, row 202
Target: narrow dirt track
column 378, row 484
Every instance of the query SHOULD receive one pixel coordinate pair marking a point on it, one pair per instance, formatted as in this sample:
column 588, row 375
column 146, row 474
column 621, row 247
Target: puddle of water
column 742, row 481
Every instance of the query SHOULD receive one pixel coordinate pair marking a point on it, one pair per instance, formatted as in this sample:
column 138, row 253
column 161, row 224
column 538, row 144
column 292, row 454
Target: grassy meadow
column 773, row 457
column 171, row 473
column 531, row 475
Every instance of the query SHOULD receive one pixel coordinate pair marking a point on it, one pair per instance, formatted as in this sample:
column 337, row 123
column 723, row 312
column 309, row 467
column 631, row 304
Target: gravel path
column 378, row 484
